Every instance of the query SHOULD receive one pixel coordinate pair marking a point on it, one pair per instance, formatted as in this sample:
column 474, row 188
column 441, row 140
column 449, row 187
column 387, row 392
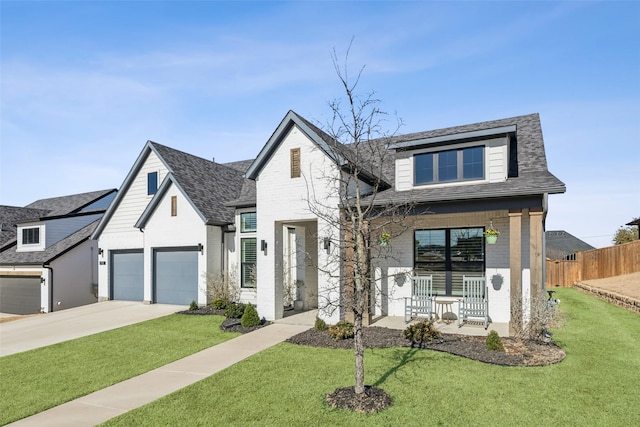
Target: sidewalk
column 112, row 401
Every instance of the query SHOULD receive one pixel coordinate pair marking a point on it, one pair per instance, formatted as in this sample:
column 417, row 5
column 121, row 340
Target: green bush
column 250, row 317
column 320, row 325
column 341, row 331
column 234, row 310
column 219, row 304
column 421, row 332
column 494, row 342
column 193, row 306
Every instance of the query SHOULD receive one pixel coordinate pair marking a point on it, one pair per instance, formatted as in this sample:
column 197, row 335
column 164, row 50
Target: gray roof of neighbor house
column 10, row 216
column 634, row 222
column 46, row 208
column 560, row 241
column 207, row 184
column 65, row 205
column 11, row 256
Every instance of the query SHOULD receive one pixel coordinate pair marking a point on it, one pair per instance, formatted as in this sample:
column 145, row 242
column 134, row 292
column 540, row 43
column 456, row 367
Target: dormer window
column 449, row 165
column 31, row 236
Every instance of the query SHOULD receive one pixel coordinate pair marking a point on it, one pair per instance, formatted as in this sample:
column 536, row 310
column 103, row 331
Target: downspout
column 48, row 267
column 545, row 207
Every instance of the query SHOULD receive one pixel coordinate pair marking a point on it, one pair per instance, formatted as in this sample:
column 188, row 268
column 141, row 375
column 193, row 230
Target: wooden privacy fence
column 595, row 264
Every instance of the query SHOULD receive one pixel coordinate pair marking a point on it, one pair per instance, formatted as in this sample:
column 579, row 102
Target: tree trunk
column 358, row 343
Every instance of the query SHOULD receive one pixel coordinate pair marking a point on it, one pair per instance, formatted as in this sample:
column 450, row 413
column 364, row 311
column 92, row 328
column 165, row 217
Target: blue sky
column 85, row 84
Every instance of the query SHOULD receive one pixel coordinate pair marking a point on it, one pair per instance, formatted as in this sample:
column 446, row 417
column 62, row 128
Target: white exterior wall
column 120, row 233
column 282, row 199
column 183, row 230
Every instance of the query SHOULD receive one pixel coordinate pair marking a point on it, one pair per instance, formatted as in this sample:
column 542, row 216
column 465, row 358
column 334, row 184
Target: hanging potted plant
column 491, row 234
column 384, row 239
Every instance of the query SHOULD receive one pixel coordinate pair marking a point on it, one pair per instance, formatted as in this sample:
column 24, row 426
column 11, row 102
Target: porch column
column 536, row 251
column 515, row 268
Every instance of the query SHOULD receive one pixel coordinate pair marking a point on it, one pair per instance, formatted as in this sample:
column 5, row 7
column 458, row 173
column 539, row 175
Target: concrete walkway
column 112, row 401
column 51, row 328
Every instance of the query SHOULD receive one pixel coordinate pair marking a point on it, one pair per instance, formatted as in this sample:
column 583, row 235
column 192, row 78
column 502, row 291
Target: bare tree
column 362, row 223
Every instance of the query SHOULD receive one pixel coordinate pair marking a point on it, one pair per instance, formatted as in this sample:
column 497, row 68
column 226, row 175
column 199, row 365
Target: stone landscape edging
column 624, row 301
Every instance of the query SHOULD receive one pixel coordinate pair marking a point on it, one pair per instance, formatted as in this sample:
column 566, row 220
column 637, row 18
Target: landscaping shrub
column 250, row 317
column 341, row 331
column 320, row 325
column 235, row 310
column 421, row 332
column 220, row 304
column 193, row 306
column 494, row 342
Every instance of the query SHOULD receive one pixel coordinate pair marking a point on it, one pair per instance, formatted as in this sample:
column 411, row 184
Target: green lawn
column 36, row 380
column 597, row 384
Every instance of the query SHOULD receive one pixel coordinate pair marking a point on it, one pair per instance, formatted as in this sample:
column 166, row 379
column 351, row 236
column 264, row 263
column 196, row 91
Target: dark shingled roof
column 533, row 177
column 10, row 216
column 65, row 205
column 209, row 185
column 12, row 257
column 560, row 242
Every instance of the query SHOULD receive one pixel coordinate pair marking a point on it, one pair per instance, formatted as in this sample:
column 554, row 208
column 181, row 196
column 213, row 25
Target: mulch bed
column 228, row 324
column 517, row 353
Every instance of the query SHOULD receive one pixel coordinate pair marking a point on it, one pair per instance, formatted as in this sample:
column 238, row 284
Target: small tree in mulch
column 250, row 317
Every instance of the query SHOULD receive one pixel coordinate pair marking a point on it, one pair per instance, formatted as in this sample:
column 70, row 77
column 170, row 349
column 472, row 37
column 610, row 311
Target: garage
column 175, row 275
column 127, row 275
column 20, row 294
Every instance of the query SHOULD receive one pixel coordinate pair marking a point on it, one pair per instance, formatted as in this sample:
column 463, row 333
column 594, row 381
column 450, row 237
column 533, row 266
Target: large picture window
column 449, row 254
column 450, row 165
column 31, row 236
column 249, row 258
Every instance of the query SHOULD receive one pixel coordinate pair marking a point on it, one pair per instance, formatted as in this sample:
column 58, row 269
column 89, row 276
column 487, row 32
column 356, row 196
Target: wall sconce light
column 263, row 246
column 327, row 245
column 100, row 251
column 42, row 280
column 201, row 248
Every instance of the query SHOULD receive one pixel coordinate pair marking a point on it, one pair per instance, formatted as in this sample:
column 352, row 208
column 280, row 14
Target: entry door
column 176, row 276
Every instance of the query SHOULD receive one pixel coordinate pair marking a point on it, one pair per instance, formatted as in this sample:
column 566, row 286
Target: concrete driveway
column 51, row 328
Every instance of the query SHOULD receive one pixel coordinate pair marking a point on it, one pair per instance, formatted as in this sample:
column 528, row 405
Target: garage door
column 176, row 276
column 127, row 275
column 20, row 295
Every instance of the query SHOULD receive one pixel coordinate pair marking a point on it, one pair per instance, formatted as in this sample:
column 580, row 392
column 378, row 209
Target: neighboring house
column 252, row 222
column 47, row 262
column 168, row 229
column 562, row 245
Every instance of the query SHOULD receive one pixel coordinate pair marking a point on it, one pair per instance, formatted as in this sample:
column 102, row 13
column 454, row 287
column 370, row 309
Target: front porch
column 308, row 318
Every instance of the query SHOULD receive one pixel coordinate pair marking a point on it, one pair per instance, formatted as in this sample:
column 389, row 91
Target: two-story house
column 266, row 224
column 47, row 261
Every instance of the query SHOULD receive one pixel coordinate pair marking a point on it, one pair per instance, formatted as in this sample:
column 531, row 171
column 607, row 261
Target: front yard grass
column 33, row 381
column 285, row 385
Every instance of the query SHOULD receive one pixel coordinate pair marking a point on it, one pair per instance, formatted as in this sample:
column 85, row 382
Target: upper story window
column 295, row 163
column 152, row 183
column 31, row 236
column 248, row 222
column 449, row 165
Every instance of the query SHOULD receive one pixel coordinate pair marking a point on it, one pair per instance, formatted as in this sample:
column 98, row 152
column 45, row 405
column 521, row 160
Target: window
column 248, row 262
column 295, row 163
column 247, row 222
column 448, row 254
column 31, row 236
column 174, row 205
column 152, row 183
column 449, row 165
